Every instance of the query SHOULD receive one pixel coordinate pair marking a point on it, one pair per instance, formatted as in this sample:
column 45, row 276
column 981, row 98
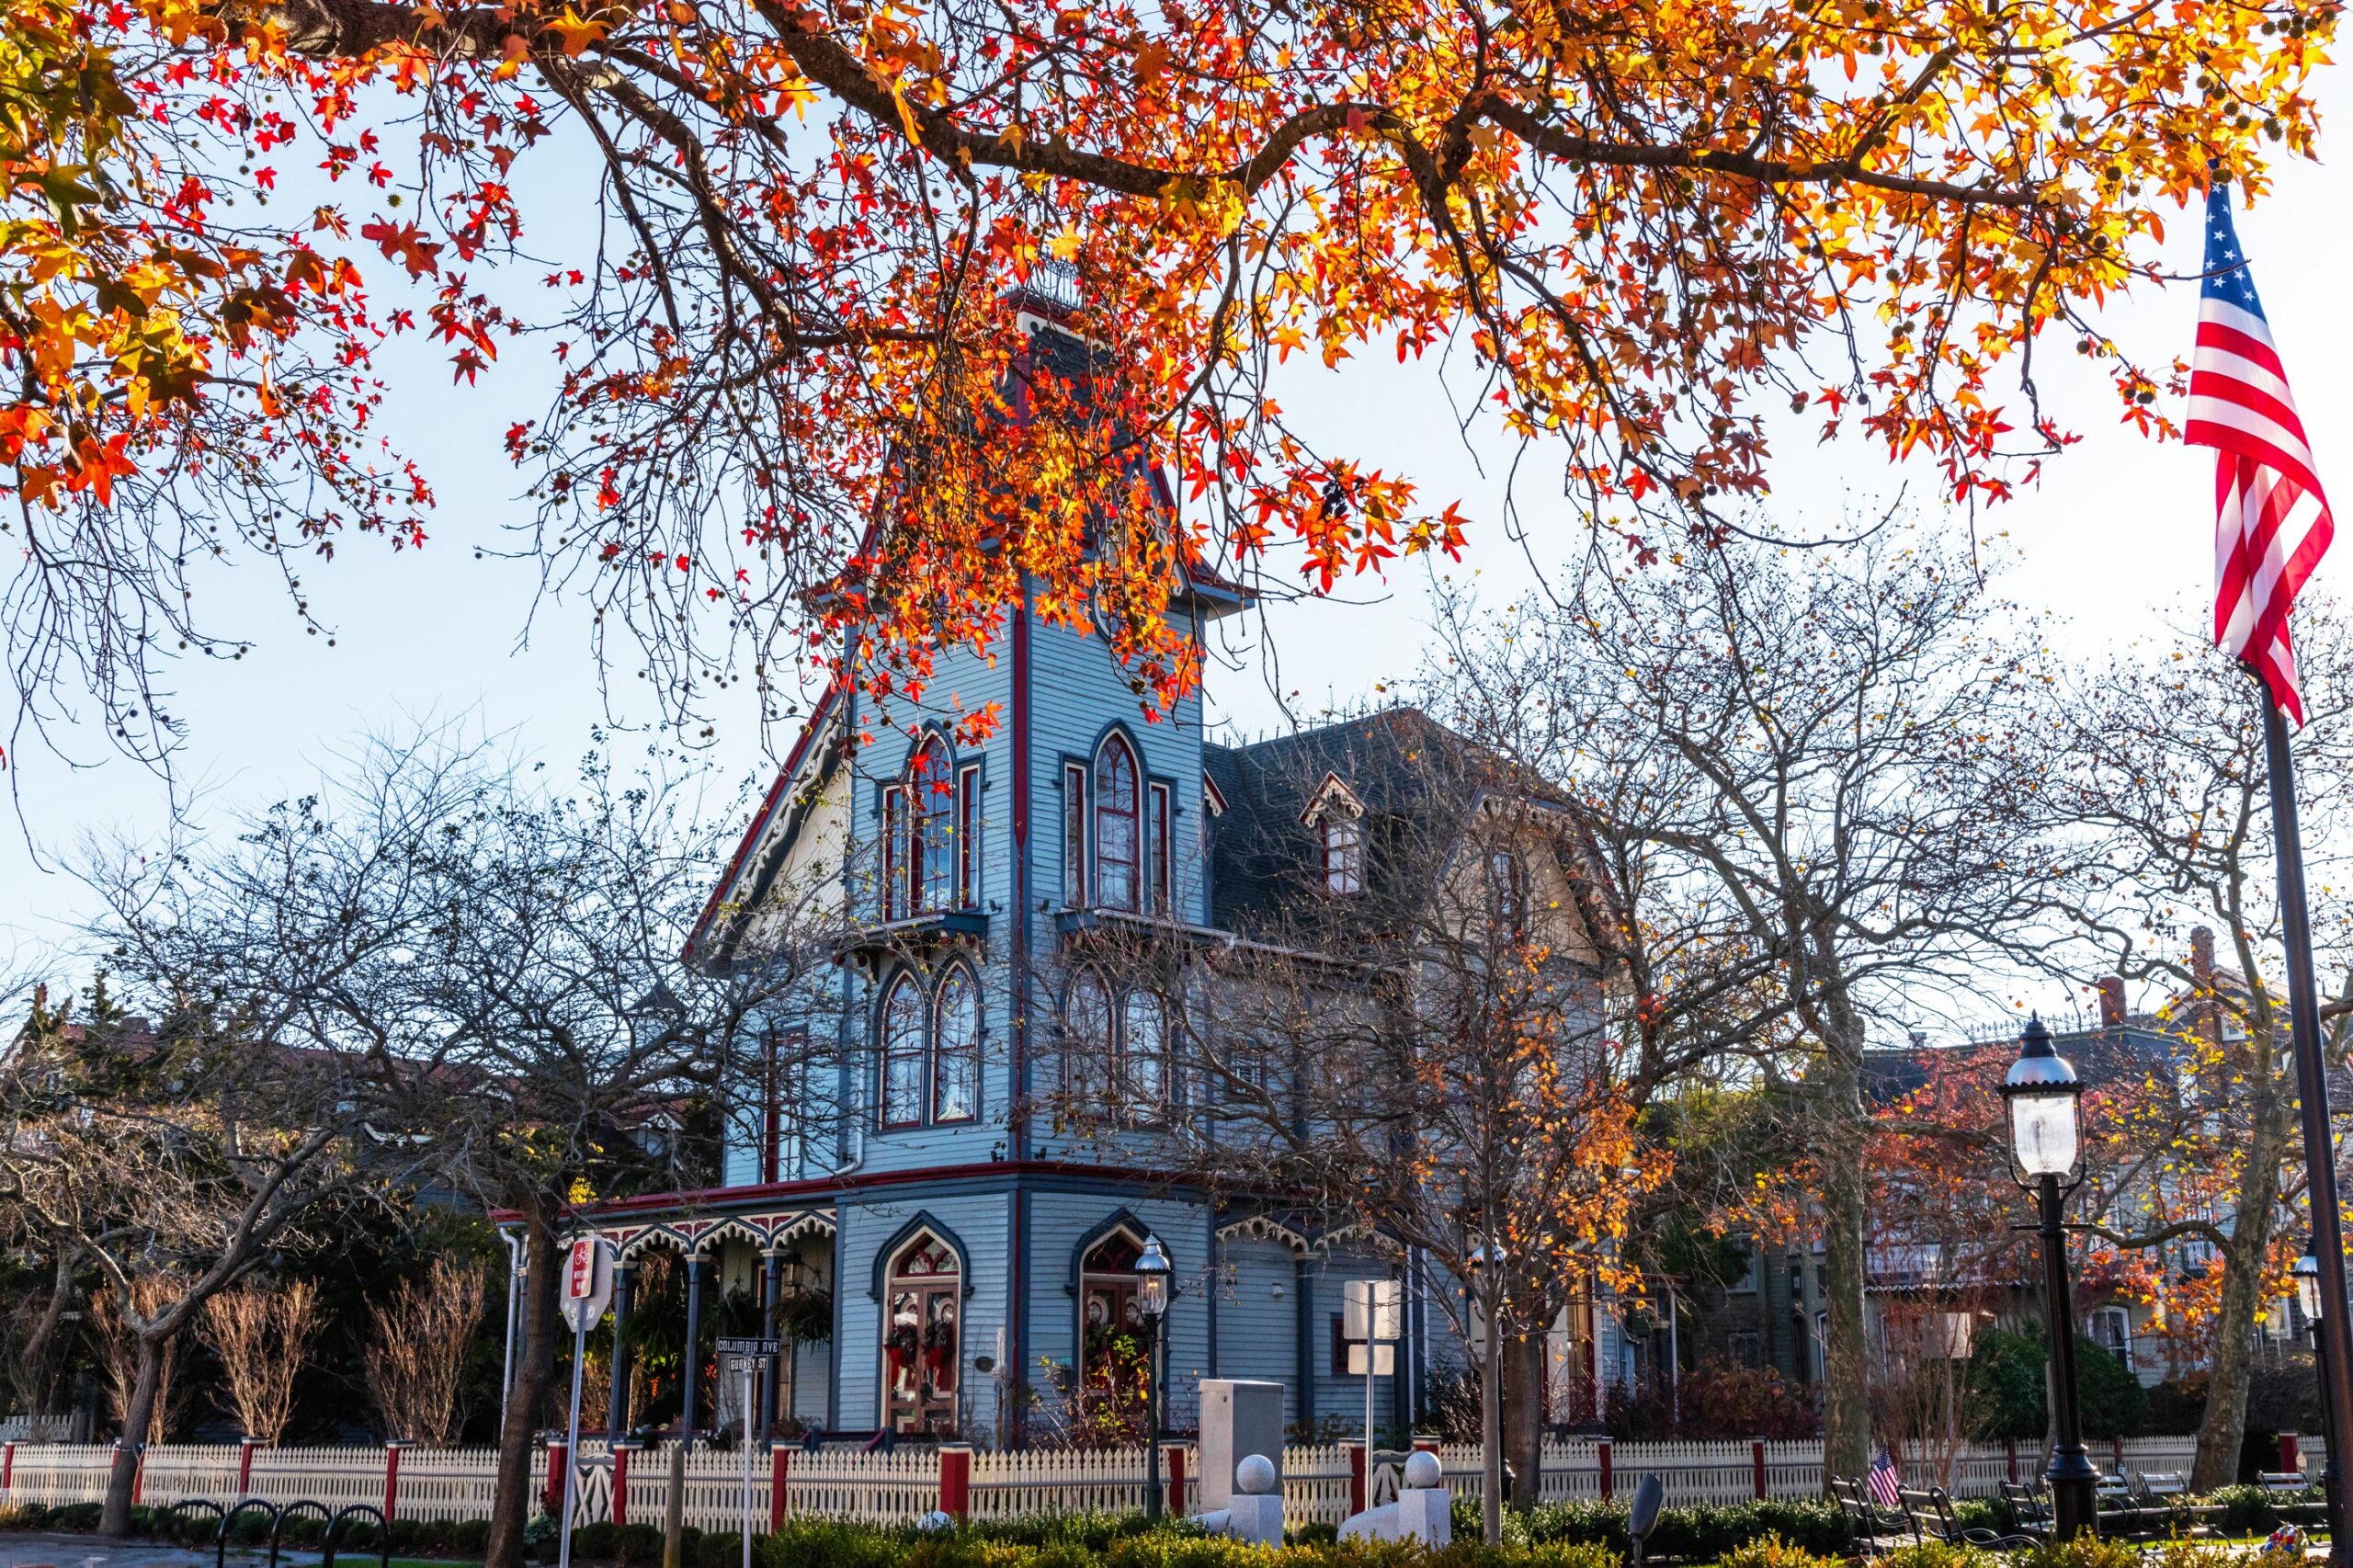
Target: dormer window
column 1337, row 817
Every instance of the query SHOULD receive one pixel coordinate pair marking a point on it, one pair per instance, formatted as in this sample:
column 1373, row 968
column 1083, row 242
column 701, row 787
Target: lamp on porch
column 1153, row 1273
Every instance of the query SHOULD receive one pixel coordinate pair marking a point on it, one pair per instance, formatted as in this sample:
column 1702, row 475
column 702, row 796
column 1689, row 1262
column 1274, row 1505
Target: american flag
column 1883, row 1481
column 2272, row 519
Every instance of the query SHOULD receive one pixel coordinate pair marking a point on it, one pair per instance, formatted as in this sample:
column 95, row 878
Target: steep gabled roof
column 1418, row 782
column 761, row 850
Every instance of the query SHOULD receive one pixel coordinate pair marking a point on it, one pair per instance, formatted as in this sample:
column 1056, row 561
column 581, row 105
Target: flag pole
column 2320, row 1149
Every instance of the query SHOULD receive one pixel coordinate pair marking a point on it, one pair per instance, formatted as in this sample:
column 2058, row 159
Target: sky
column 2117, row 535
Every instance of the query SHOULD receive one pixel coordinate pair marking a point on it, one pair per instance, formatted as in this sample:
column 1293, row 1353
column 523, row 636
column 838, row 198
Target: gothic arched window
column 1143, row 1055
column 956, row 1048
column 902, row 1027
column 1119, row 827
column 1088, row 1025
column 931, row 813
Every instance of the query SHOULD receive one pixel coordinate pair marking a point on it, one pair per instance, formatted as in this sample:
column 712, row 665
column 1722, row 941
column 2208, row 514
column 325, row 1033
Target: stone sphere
column 1255, row 1476
column 1421, row 1470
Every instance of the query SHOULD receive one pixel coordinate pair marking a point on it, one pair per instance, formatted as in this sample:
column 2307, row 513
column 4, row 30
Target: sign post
column 1371, row 1314
column 753, row 1356
column 587, row 1290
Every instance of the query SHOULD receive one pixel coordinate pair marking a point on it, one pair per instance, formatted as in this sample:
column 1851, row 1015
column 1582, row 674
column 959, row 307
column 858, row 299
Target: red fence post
column 621, row 1452
column 557, row 1458
column 8, row 1466
column 1177, row 1481
column 138, row 1476
column 1356, row 1490
column 245, row 1447
column 1756, row 1462
column 2291, row 1456
column 780, row 1470
column 1609, row 1471
column 2120, row 1456
column 956, row 1480
column 2011, row 1444
column 392, row 1481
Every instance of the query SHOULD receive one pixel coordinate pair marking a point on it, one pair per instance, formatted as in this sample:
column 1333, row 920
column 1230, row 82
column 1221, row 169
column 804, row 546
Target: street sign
column 587, row 1290
column 1372, row 1309
column 749, row 1349
column 1384, row 1359
column 587, row 1282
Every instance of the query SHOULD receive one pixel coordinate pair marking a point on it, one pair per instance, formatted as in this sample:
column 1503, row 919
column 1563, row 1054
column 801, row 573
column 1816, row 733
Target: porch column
column 693, row 1367
column 771, row 1290
column 617, row 1414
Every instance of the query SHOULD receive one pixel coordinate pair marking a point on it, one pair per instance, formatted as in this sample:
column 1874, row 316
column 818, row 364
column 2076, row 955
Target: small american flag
column 2272, row 522
column 1883, row 1481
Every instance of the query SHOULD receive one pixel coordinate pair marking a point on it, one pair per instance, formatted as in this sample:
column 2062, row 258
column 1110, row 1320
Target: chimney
column 2111, row 1001
column 2201, row 955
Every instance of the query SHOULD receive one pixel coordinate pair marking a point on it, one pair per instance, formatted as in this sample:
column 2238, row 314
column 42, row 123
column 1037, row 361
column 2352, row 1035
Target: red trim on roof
column 713, row 1197
column 759, row 821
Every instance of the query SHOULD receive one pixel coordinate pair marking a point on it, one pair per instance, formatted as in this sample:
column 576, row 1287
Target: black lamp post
column 2042, row 1090
column 2309, row 1292
column 1152, row 1270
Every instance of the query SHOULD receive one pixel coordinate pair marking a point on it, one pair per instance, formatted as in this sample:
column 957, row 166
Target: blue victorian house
column 947, row 1251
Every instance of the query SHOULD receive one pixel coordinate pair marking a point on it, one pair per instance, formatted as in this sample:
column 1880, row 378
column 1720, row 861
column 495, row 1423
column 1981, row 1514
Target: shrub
column 2083, row 1551
column 635, row 1544
column 24, row 1517
column 1771, row 1552
column 2246, row 1510
column 717, row 1549
column 595, row 1542
column 1944, row 1554
column 470, row 1538
column 75, row 1518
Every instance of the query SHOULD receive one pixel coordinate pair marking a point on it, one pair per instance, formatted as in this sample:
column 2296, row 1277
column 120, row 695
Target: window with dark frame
column 1163, row 810
column 772, row 1108
column 893, row 813
column 1340, row 1344
column 1341, row 834
column 1074, row 834
column 956, row 1048
column 1119, row 827
column 904, row 1039
column 968, row 836
column 1508, row 885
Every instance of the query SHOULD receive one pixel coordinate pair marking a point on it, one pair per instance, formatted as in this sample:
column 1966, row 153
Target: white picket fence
column 1319, row 1483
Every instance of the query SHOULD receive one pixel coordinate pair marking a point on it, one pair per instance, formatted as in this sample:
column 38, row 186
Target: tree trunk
column 1524, row 1416
column 2224, row 1430
column 113, row 1517
column 1843, row 1134
column 36, row 1381
column 511, row 1505
column 674, row 1509
column 1491, row 1437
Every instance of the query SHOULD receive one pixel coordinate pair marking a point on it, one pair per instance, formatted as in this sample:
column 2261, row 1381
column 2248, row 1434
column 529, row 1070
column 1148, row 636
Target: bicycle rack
column 181, row 1507
column 229, row 1520
column 287, row 1513
column 383, row 1533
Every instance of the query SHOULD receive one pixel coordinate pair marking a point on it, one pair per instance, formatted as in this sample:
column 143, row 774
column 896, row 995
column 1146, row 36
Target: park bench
column 2030, row 1508
column 2291, row 1500
column 1869, row 1531
column 2169, row 1490
column 1930, row 1509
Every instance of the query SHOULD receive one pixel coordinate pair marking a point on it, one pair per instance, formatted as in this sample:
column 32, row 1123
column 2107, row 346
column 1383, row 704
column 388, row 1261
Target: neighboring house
column 958, row 1259
column 1774, row 1316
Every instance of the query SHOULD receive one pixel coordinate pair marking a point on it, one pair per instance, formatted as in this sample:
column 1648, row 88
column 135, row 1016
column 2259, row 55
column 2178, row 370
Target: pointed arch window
column 1088, row 1027
column 1119, row 827
column 1144, row 1055
column 902, row 1054
column 931, row 815
column 956, row 1048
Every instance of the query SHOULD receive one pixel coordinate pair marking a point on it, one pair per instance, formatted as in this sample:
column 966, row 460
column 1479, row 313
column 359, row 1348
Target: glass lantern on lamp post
column 2309, row 1295
column 2041, row 1092
column 1152, row 1272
